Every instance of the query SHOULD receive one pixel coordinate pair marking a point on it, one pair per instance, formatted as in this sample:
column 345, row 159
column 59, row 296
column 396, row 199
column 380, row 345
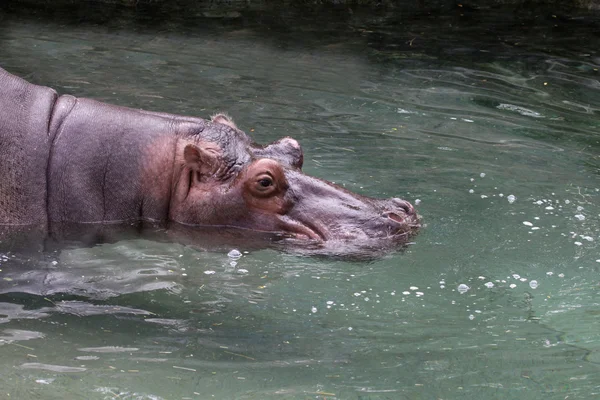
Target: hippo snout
column 401, row 213
column 404, row 206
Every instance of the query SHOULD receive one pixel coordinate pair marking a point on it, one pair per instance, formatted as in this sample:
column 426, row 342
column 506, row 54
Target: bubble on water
column 462, row 288
column 406, row 292
column 512, row 286
column 471, row 317
column 235, row 254
column 233, row 263
column 598, row 260
column 533, row 284
column 419, row 293
column 357, row 294
column 527, row 223
column 489, row 285
column 580, row 217
column 413, row 288
column 483, row 196
column 549, row 273
column 523, row 279
column 329, row 302
column 511, row 198
column 578, row 243
column 417, row 202
column 349, row 328
column 482, row 175
column 209, row 272
column 242, row 271
column 588, row 238
column 471, row 191
column 367, row 299
column 561, row 275
column 54, row 262
column 579, row 208
column 516, row 276
column 535, row 228
column 313, row 309
column 549, row 208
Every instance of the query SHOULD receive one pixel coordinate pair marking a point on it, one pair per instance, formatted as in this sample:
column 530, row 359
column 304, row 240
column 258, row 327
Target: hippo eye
column 265, row 182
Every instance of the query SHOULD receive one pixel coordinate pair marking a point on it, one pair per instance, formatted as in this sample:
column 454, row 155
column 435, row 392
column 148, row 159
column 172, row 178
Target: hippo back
column 25, row 113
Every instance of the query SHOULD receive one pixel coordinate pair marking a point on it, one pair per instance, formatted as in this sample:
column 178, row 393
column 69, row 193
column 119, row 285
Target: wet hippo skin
column 70, row 160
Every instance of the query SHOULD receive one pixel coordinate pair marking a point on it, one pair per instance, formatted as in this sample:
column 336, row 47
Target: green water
column 453, row 112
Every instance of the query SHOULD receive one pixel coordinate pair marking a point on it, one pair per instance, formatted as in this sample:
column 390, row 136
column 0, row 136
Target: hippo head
column 223, row 179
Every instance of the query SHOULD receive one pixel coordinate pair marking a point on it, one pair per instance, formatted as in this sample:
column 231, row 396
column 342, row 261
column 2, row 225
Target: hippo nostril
column 404, row 205
column 395, row 217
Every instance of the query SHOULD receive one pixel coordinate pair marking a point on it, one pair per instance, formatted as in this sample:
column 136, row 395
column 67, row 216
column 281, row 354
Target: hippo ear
column 224, row 119
column 203, row 159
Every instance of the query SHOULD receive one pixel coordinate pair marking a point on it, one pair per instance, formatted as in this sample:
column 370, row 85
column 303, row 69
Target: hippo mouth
column 402, row 226
column 302, row 230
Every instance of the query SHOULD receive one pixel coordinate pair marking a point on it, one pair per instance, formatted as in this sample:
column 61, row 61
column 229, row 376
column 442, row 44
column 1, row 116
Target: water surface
column 489, row 120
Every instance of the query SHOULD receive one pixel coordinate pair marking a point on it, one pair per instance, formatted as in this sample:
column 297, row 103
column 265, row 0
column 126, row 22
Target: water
column 489, row 119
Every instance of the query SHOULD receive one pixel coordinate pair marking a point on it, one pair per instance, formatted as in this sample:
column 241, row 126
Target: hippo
column 66, row 160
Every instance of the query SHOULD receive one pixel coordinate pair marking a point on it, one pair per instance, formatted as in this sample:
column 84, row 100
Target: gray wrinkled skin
column 67, row 160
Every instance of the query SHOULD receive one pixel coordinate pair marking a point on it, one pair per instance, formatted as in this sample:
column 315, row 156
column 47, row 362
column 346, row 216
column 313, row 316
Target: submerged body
column 68, row 160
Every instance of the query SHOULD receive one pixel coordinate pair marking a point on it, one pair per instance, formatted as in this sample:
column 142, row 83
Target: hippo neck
column 113, row 164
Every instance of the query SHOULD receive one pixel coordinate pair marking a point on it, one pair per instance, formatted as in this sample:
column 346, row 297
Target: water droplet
column 533, row 284
column 235, row 254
